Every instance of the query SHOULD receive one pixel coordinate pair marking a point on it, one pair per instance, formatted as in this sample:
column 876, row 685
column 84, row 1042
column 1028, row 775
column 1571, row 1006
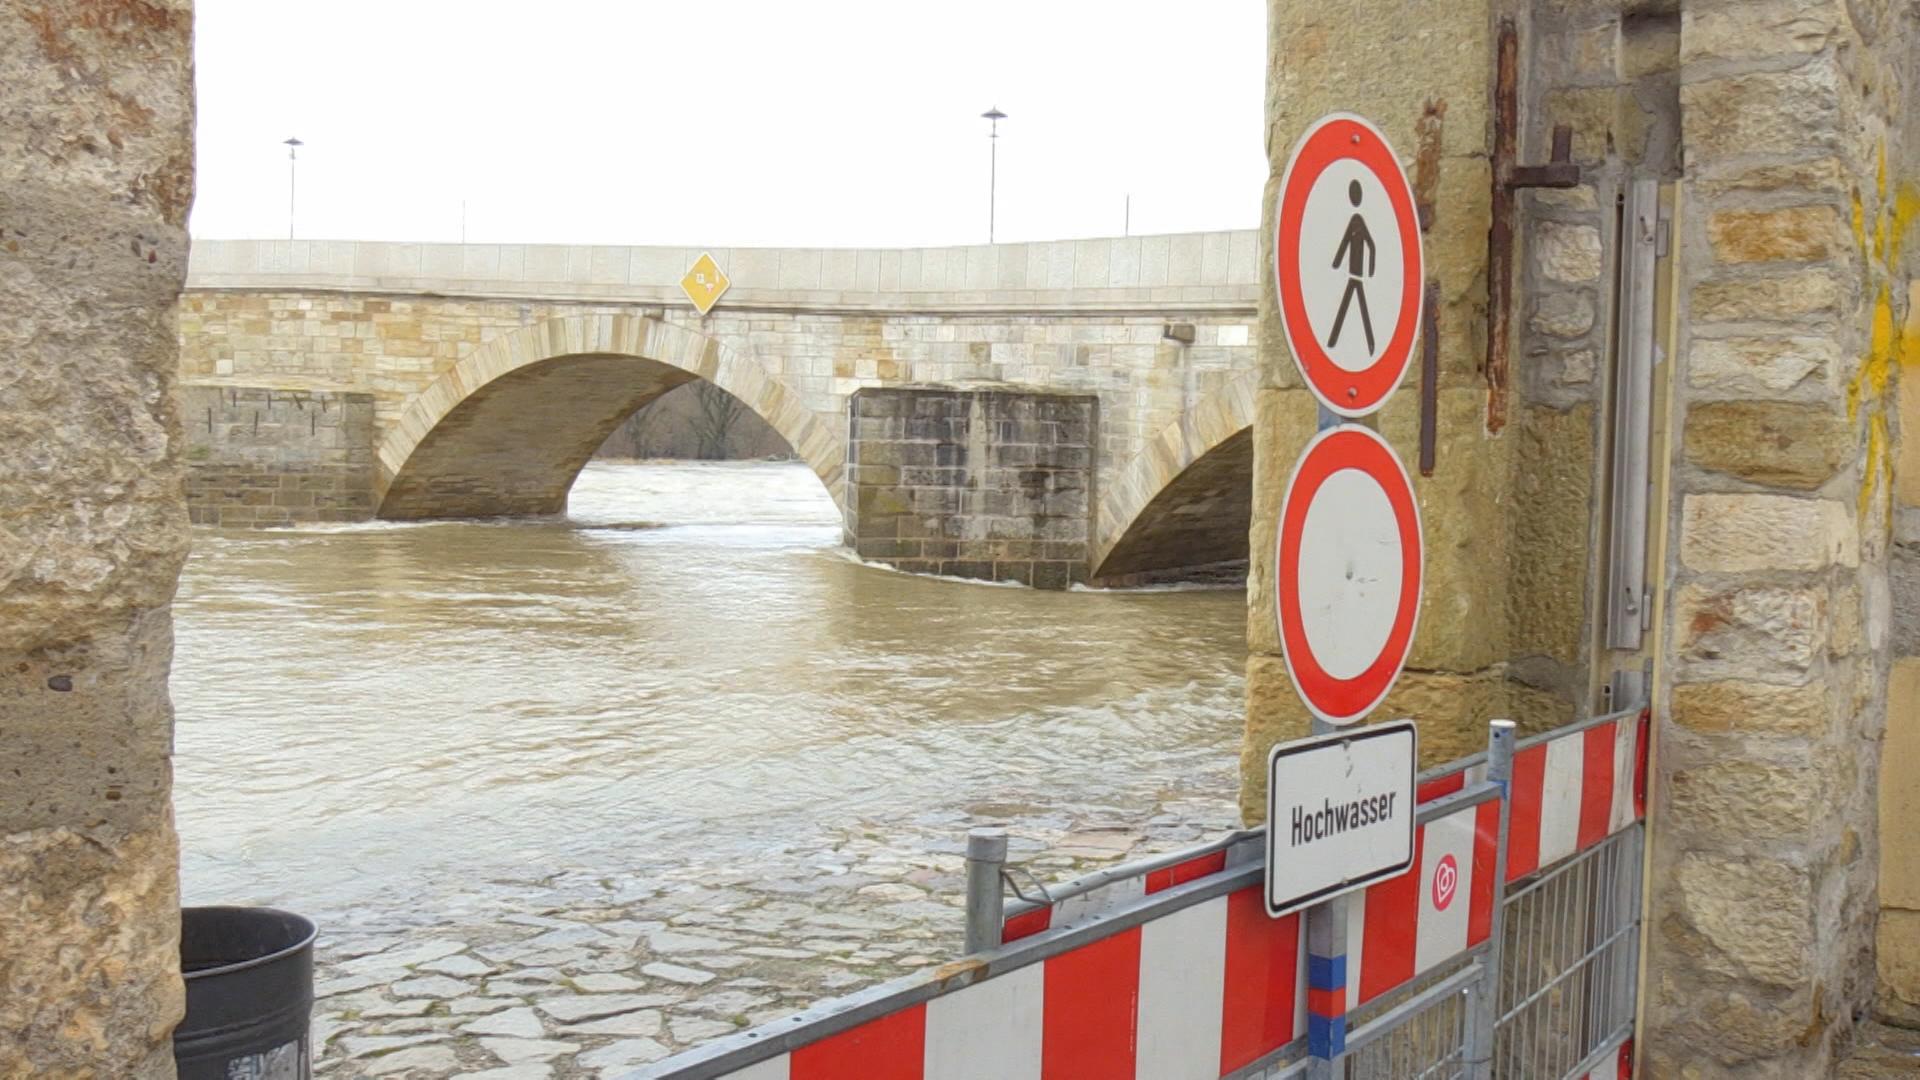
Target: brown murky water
column 684, row 673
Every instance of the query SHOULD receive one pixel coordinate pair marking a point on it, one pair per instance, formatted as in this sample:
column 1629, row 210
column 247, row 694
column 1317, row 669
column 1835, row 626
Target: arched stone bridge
column 1046, row 412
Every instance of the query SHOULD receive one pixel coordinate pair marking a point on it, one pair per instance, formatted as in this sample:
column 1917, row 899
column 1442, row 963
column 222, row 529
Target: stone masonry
column 992, row 483
column 496, row 370
column 1783, row 129
column 96, row 178
column 1777, row 608
column 261, row 457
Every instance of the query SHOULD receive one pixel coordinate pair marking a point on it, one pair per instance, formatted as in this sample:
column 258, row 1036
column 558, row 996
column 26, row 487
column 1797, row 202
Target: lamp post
column 293, row 148
column 993, row 116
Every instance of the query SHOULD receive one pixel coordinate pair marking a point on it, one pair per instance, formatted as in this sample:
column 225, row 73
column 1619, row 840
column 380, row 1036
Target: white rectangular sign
column 1339, row 813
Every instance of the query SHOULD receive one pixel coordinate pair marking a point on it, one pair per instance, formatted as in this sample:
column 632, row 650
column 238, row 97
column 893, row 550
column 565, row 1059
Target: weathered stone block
column 1712, row 1031
column 1749, row 918
column 1751, row 708
column 1759, row 29
column 1796, row 297
column 1897, row 958
column 1739, row 533
column 1563, row 314
column 1549, row 515
column 1785, row 113
column 1650, row 43
column 92, row 926
column 1603, row 119
column 1816, row 176
column 1796, row 233
column 1773, row 443
column 1900, row 802
column 1567, row 253
column 1743, row 365
column 1741, row 799
column 1768, row 633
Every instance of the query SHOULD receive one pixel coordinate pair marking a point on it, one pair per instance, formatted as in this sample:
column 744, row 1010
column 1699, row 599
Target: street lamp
column 993, row 116
column 293, row 147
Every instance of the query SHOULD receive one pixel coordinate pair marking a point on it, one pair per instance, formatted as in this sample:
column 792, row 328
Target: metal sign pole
column 1326, row 948
column 1326, row 979
column 1484, row 1017
column 986, row 903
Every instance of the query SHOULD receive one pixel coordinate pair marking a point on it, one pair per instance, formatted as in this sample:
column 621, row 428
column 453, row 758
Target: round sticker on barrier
column 1348, row 571
column 1446, row 879
column 1348, row 264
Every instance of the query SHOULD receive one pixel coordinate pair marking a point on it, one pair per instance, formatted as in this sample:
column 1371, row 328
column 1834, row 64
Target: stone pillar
column 994, row 484
column 96, row 176
column 1420, row 70
column 258, row 456
column 1771, row 692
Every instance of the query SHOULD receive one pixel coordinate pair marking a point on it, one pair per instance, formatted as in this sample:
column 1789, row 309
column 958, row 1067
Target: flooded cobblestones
column 589, row 976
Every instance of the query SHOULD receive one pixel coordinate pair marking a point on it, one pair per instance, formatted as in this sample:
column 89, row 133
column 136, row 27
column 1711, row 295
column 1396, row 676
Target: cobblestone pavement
column 592, row 975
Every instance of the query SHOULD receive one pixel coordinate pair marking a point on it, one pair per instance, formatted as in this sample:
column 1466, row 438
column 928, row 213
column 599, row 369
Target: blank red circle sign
column 1348, row 264
column 1347, row 572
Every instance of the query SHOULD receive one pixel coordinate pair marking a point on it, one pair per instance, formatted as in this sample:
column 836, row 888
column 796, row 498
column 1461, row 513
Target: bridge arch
column 508, row 427
column 1184, row 502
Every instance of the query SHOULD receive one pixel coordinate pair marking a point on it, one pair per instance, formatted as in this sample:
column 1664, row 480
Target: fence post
column 1484, row 1014
column 986, row 903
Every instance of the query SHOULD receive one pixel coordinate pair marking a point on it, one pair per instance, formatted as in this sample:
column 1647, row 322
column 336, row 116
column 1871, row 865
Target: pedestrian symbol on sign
column 1348, row 267
column 1356, row 238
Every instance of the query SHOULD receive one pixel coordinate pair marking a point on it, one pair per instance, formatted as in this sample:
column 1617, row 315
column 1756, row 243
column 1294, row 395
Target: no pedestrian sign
column 1348, row 264
column 1340, row 814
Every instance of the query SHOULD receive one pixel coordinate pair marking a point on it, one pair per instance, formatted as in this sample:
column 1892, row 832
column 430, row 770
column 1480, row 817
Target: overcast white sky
column 728, row 122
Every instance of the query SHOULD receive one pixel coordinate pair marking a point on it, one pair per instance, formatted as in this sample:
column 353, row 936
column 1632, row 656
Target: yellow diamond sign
column 704, row 283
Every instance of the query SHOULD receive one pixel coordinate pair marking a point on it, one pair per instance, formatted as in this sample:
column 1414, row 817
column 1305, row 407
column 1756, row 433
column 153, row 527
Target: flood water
column 686, row 672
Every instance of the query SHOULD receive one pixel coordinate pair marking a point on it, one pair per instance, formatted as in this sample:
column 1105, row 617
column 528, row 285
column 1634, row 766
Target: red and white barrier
column 1617, row 1067
column 1190, row 996
column 1210, row 988
column 1404, row 926
column 1572, row 792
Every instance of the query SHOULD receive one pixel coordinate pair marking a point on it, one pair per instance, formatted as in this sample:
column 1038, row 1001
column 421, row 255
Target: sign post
column 1350, row 274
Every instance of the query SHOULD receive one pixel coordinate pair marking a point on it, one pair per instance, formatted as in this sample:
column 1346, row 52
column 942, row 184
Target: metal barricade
column 1523, row 967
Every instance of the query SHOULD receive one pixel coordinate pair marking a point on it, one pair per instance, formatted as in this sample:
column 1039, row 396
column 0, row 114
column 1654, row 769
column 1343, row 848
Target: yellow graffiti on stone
column 1887, row 351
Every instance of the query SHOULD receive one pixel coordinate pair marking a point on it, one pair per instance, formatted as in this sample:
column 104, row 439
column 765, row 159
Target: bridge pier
column 991, row 482
column 257, row 456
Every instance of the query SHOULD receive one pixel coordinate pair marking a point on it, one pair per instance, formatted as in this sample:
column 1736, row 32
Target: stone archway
column 506, row 429
column 1176, row 504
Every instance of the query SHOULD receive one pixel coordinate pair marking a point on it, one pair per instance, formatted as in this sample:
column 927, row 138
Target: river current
column 684, row 672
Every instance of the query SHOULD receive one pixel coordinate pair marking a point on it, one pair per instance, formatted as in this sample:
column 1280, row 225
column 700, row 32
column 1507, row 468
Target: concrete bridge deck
column 451, row 380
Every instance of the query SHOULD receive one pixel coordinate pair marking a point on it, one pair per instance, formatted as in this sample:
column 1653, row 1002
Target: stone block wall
column 1776, row 615
column 994, row 484
column 96, row 178
column 258, row 456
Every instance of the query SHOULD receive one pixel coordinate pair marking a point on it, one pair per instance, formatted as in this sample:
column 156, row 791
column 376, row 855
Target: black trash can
column 249, row 973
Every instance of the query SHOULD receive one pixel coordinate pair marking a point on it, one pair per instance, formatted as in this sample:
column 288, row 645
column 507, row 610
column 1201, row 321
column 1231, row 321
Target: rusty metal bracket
column 1560, row 172
column 1508, row 176
column 1429, row 376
